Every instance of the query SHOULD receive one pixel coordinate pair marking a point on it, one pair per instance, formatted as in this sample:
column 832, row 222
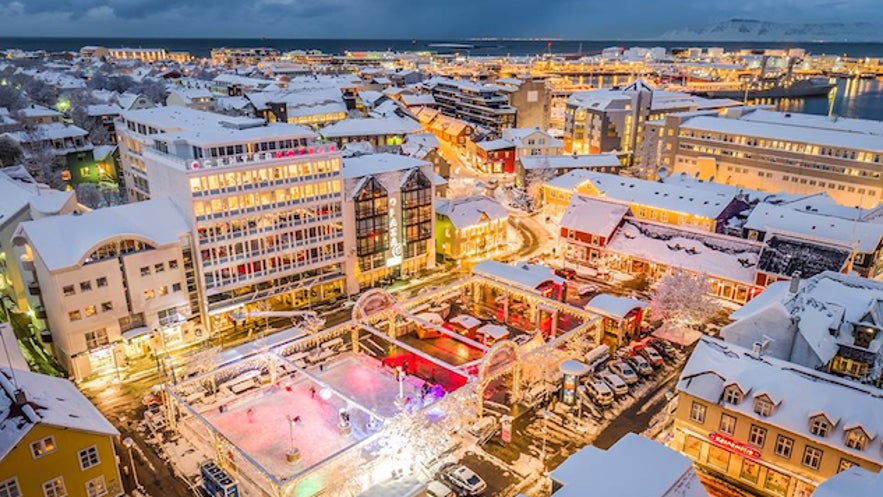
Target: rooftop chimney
column 20, row 397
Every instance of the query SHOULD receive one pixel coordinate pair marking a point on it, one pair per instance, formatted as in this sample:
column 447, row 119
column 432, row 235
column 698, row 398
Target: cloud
column 385, row 19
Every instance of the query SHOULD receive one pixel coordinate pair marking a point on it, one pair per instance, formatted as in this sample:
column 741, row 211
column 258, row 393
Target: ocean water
column 862, row 98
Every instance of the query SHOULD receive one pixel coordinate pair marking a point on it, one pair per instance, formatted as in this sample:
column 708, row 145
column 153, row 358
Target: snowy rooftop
column 569, row 161
column 864, row 236
column 492, row 145
column 724, row 257
column 687, row 181
column 617, row 99
column 826, row 307
column 854, row 482
column 849, row 125
column 715, row 364
column 208, row 136
column 64, row 241
column 373, row 164
column 519, row 135
column 522, row 274
column 470, row 211
column 663, row 471
column 785, row 256
column 51, row 401
column 177, row 118
column 593, row 215
column 784, row 132
column 413, row 100
column 19, row 194
column 104, row 110
column 614, row 306
column 392, row 125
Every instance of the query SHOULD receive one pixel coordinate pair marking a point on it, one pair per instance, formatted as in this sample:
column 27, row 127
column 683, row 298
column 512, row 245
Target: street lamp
column 129, row 443
column 293, row 453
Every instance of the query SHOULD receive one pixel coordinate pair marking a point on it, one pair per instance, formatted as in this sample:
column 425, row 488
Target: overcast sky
column 574, row 19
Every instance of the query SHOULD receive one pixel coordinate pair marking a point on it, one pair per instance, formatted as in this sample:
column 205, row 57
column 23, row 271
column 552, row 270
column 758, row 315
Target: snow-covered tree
column 40, row 92
column 10, row 151
column 88, row 195
column 155, row 91
column 682, row 298
column 11, row 98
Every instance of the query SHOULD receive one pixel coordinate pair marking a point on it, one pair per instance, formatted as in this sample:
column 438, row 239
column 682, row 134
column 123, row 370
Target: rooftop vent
column 20, row 397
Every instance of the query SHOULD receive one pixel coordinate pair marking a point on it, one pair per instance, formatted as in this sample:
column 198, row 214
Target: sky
column 404, row 19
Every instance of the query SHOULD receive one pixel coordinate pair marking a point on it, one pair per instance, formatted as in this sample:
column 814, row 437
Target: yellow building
column 53, row 441
column 474, row 226
column 648, row 200
column 770, row 426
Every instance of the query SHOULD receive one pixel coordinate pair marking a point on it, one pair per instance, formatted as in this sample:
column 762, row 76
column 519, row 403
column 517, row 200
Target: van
column 597, row 356
column 436, row 488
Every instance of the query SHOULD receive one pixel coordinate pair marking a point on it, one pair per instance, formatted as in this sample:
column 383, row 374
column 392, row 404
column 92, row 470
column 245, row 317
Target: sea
column 860, row 98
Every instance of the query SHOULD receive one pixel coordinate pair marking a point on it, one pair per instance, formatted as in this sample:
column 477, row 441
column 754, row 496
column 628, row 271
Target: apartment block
column 483, row 105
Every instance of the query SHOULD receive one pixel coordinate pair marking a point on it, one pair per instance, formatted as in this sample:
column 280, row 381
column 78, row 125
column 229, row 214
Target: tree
column 10, row 151
column 11, row 98
column 155, row 91
column 88, row 195
column 682, row 298
column 39, row 92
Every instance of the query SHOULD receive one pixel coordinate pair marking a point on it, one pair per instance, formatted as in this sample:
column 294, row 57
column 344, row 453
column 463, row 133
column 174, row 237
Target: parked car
column 652, row 356
column 623, row 370
column 640, row 365
column 615, row 383
column 567, row 274
column 436, row 488
column 464, row 480
column 664, row 348
column 599, row 391
column 586, row 288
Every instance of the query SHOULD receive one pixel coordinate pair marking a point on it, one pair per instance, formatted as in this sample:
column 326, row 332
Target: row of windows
column 88, row 457
column 85, row 286
column 96, row 487
column 841, row 153
column 159, row 267
column 284, row 242
column 263, row 175
column 264, row 200
column 161, row 291
column 89, row 311
column 254, row 225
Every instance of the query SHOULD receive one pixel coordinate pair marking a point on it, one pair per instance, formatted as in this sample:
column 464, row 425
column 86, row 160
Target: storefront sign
column 395, row 247
column 734, row 446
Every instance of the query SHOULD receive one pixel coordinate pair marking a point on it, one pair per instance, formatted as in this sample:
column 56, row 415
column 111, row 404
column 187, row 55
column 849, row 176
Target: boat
column 777, row 88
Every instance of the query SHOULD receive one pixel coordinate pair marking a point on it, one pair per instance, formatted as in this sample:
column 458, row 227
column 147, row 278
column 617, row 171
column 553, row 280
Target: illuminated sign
column 395, row 247
column 734, row 446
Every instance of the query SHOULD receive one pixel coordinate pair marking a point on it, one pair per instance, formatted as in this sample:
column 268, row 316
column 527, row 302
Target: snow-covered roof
column 222, row 135
column 373, row 164
column 522, row 274
column 415, row 100
column 392, row 125
column 663, row 471
column 419, row 144
column 104, row 110
column 492, row 145
column 470, row 211
column 64, row 241
column 800, row 119
column 51, row 401
column 614, row 306
column 784, row 132
column 822, row 312
column 688, row 181
column 177, row 118
column 519, row 135
column 864, row 236
column 715, row 364
column 35, row 111
column 784, row 256
column 569, row 161
column 854, row 482
column 618, row 99
column 715, row 255
column 593, row 215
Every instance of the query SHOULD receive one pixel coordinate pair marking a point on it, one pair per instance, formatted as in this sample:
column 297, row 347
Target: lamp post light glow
column 129, row 443
column 293, row 453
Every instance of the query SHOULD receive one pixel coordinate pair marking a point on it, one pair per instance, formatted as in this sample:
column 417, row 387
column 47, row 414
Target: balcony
column 33, row 288
column 245, row 158
column 27, row 262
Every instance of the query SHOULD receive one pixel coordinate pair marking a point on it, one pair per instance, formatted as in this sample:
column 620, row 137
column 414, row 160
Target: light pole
column 129, row 443
column 293, row 454
column 545, row 436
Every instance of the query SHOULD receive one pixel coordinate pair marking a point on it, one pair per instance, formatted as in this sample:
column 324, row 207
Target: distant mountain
column 753, row 30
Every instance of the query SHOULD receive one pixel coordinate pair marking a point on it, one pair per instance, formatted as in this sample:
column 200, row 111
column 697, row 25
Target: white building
column 110, row 278
column 264, row 203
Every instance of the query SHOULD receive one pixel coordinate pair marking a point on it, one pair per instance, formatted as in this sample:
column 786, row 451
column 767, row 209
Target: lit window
column 148, row 294
column 96, row 487
column 856, row 439
column 42, row 447
column 820, row 426
column 844, row 465
column 90, row 310
column 727, row 424
column 89, row 457
column 101, row 282
column 812, row 457
column 74, row 315
column 68, row 290
column 54, row 488
column 784, row 446
column 697, row 412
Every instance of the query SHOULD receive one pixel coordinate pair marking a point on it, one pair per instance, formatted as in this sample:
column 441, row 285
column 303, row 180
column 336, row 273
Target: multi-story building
column 389, row 218
column 142, row 54
column 831, row 322
column 531, row 142
column 264, row 202
column 779, row 152
column 116, row 282
column 381, row 132
column 235, row 56
column 770, row 426
column 69, row 145
column 473, row 226
column 609, row 120
column 482, row 105
column 55, row 442
column 531, row 99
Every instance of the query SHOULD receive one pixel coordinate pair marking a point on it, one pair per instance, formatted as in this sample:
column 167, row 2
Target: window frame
column 806, row 453
column 700, row 408
column 59, row 479
column 88, row 452
column 755, row 432
column 781, row 442
column 7, row 486
column 722, row 429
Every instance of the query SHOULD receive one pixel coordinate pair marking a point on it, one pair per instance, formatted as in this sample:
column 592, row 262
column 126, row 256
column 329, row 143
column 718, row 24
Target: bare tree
column 88, row 195
column 10, row 151
column 682, row 298
column 155, row 91
column 11, row 98
column 39, row 92
column 40, row 159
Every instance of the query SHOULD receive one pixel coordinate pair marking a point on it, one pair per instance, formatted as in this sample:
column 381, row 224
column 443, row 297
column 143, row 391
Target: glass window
column 856, row 439
column 163, row 291
column 784, row 446
column 88, row 457
column 697, row 412
column 763, row 407
column 845, row 464
column 727, row 424
column 159, row 267
column 812, row 457
column 750, row 470
column 692, row 446
column 819, row 426
column 9, row 488
column 776, row 482
column 54, row 488
column 732, row 395
column 101, row 282
column 148, row 294
column 74, row 315
column 96, row 339
column 145, row 271
column 96, row 487
column 85, row 286
column 91, row 310
column 173, row 264
column 718, row 457
column 106, row 306
column 68, row 290
column 42, row 447
column 757, row 436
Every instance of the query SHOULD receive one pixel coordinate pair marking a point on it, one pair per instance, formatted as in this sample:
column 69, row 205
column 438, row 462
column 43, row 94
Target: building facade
column 482, row 105
column 474, row 226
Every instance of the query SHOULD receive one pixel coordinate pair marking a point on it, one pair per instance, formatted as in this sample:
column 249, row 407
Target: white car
column 465, row 480
column 436, row 488
column 623, row 370
column 599, row 392
column 586, row 288
column 615, row 383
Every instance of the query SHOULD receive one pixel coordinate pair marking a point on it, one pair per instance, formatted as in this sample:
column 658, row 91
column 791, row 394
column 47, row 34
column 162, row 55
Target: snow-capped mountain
column 753, row 30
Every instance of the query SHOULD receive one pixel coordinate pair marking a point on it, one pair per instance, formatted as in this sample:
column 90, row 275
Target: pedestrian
column 296, row 419
column 312, row 392
column 405, row 365
column 250, row 414
column 321, row 367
